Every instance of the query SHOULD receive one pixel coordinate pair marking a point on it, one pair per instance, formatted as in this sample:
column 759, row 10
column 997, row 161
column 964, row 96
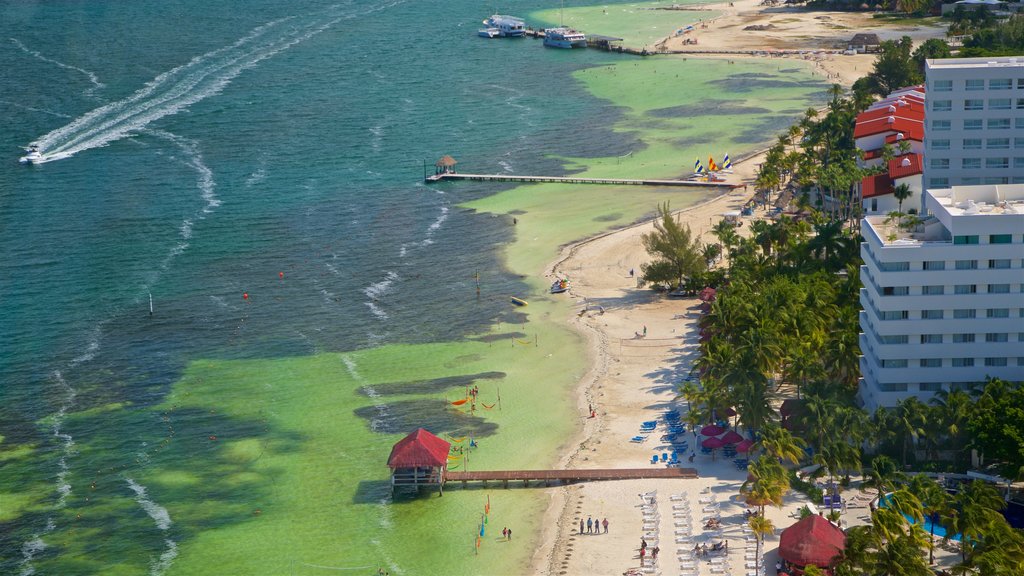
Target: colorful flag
column 726, row 163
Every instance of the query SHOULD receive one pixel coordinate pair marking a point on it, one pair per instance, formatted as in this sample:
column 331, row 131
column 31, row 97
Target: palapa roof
column 421, row 448
column 446, row 160
column 865, row 39
column 813, row 540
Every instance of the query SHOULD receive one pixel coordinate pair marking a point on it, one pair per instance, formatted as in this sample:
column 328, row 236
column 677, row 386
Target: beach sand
column 634, row 379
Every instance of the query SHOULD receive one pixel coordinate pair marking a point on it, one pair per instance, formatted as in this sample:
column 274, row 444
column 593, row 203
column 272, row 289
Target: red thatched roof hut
column 813, row 540
column 418, row 459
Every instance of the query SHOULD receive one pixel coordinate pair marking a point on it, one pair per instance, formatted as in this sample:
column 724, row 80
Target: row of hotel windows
column 975, row 163
column 994, row 264
column 933, row 386
column 979, row 124
column 957, row 338
column 975, row 144
column 977, row 84
column 943, row 182
column 958, row 314
column 940, row 290
column 979, row 104
column 956, row 362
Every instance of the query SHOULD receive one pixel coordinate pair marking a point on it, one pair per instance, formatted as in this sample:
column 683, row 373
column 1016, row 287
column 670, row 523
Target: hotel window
column 996, row 337
column 997, row 313
column 999, row 104
column 933, row 290
column 895, row 266
column 1018, row 123
column 965, row 289
column 966, row 264
column 1001, row 238
column 1018, row 162
column 995, row 361
column 970, row 239
column 1018, row 180
column 942, row 86
column 931, row 314
column 931, row 362
column 1020, row 361
column 998, row 144
column 934, row 265
column 1020, row 83
column 894, row 363
column 901, row 339
column 939, row 144
column 895, row 291
column 942, row 106
column 977, row 124
column 964, row 313
column 893, row 387
column 973, row 104
column 963, row 362
column 929, row 386
column 1018, row 142
column 997, row 180
column 972, row 143
column 997, row 162
column 1000, row 84
column 942, row 125
column 1000, row 264
column 938, row 182
column 895, row 315
column 1020, row 103
column 999, row 123
column 963, row 338
column 975, row 84
column 931, row 338
column 970, row 181
column 998, row 288
column 939, row 163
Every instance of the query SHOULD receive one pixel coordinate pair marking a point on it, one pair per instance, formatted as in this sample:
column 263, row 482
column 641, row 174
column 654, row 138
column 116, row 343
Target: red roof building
column 421, row 449
column 904, row 166
column 813, row 540
column 874, row 186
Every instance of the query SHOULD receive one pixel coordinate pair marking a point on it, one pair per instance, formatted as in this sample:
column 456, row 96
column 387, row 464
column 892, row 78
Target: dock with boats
column 445, row 176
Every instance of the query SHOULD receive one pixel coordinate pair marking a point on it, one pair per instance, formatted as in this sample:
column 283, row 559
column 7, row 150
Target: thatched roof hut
column 446, row 161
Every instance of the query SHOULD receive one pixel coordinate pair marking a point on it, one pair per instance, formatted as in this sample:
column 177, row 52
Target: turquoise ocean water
column 199, row 151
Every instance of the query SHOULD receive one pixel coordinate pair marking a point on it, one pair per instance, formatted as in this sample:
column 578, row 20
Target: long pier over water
column 576, row 180
column 582, row 475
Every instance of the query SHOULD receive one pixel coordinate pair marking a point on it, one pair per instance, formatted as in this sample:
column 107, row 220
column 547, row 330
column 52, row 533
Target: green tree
column 883, row 475
column 996, row 426
column 930, row 49
column 935, row 502
column 761, row 527
column 894, row 68
column 901, row 192
column 677, row 254
column 778, row 443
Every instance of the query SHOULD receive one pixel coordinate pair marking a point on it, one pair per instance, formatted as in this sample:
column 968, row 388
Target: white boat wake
column 96, row 84
column 162, row 519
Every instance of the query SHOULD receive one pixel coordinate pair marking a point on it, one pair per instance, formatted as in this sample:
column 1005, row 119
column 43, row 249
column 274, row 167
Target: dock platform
column 577, row 180
column 568, row 476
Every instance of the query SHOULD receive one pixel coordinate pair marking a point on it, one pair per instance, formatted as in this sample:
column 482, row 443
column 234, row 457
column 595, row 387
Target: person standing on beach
column 581, row 525
column 645, row 330
column 590, row 525
column 605, row 525
column 509, row 534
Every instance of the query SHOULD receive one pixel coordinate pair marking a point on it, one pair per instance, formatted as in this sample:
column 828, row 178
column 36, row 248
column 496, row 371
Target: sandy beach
column 642, row 345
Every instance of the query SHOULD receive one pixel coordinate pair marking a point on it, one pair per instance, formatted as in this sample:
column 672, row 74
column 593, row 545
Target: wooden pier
column 577, row 180
column 567, row 476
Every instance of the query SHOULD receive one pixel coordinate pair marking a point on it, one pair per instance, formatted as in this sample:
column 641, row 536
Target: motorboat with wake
column 33, row 156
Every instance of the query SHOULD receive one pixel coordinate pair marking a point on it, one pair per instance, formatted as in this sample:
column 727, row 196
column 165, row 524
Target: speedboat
column 33, row 156
column 508, row 26
column 489, row 32
column 564, row 38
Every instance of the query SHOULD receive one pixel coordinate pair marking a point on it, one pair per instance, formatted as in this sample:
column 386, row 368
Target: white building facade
column 943, row 306
column 974, row 133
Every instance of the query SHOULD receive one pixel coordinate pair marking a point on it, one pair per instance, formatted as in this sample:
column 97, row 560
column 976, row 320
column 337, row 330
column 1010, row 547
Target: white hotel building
column 943, row 308
column 974, row 128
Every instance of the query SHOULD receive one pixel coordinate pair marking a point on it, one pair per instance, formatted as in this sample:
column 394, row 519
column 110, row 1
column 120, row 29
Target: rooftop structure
column 942, row 302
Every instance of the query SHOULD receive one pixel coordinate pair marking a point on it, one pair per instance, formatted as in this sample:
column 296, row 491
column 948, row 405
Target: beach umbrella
column 713, row 443
column 731, row 437
column 727, row 412
column 744, row 446
column 712, row 430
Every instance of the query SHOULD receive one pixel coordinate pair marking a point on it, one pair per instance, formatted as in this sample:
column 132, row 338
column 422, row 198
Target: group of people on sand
column 643, row 552
column 703, row 550
column 594, row 526
column 713, row 524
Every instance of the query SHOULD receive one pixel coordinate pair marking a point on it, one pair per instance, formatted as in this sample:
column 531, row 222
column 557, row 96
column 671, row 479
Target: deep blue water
column 198, row 150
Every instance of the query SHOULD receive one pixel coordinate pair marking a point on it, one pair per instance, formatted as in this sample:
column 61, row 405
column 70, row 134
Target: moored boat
column 507, row 26
column 489, row 32
column 564, row 38
column 519, row 301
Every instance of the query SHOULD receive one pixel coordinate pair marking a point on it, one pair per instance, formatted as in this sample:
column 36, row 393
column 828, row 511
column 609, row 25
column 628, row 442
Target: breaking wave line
column 162, row 518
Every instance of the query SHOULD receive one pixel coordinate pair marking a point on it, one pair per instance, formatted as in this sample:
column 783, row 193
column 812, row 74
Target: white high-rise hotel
column 943, row 306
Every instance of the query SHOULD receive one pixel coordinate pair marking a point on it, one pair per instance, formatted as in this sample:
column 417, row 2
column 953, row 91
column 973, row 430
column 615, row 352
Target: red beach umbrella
column 712, row 430
column 744, row 446
column 713, row 443
column 731, row 437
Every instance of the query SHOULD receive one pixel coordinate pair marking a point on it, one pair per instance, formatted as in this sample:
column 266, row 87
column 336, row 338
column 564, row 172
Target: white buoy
column 150, row 303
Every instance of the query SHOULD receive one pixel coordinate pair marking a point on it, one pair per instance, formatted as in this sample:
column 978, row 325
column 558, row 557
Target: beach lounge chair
column 678, row 497
column 654, row 459
column 638, row 439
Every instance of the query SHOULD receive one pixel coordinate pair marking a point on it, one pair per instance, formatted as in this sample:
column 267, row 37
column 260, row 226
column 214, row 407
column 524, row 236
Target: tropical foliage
column 678, row 256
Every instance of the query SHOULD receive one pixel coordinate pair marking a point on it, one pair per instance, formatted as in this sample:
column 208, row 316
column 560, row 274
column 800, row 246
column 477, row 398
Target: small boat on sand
column 519, row 301
column 560, row 285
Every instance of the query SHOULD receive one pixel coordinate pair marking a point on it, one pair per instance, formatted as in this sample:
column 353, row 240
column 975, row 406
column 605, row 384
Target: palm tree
column 911, row 417
column 761, row 527
column 779, row 444
column 934, row 503
column 901, row 192
column 883, row 476
column 954, row 410
column 975, row 509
